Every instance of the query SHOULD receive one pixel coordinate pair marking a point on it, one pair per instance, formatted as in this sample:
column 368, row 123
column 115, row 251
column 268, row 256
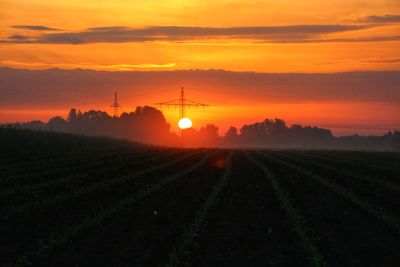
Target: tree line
column 148, row 125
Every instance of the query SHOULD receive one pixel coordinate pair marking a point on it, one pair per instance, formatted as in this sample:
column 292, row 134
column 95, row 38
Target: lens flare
column 185, row 123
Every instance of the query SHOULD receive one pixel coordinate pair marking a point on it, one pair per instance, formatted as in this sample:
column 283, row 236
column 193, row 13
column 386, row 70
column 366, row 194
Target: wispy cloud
column 384, row 61
column 343, row 40
column 119, row 34
column 34, row 28
column 110, row 67
column 381, row 19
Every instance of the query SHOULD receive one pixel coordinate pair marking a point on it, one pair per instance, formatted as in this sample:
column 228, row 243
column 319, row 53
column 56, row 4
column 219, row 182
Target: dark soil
column 344, row 234
column 374, row 194
column 143, row 235
column 249, row 226
column 23, row 232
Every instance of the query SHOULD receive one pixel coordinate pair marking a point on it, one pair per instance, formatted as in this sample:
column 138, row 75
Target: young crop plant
column 17, row 166
column 59, row 239
column 354, row 163
column 177, row 255
column 96, row 186
column 361, row 161
column 294, row 217
column 118, row 164
column 376, row 181
column 21, row 170
column 71, row 169
column 378, row 212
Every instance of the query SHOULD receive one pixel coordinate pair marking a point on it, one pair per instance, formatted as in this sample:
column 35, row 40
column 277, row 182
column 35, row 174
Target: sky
column 287, row 36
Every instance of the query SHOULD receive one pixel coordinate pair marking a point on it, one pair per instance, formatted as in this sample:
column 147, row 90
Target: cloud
column 342, row 40
column 381, row 19
column 62, row 88
column 110, row 67
column 34, row 28
column 389, row 60
column 18, row 37
column 119, row 34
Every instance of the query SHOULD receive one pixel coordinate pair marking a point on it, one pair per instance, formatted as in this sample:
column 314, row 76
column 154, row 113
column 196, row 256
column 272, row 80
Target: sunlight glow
column 185, row 123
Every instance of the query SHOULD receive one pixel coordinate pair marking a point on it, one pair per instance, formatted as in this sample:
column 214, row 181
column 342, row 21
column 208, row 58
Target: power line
column 182, row 103
column 252, row 93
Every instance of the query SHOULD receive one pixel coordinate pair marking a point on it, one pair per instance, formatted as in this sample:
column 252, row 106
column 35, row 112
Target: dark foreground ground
column 75, row 201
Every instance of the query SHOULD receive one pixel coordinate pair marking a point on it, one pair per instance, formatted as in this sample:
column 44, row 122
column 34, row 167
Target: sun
column 185, row 123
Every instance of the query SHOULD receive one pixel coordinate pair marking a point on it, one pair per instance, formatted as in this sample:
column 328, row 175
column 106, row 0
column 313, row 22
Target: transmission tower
column 116, row 105
column 182, row 103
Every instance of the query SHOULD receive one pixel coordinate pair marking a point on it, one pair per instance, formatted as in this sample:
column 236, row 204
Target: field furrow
column 377, row 212
column 68, row 200
column 15, row 167
column 161, row 219
column 38, row 177
column 93, row 188
column 178, row 253
column 56, row 236
column 13, row 196
column 247, row 226
column 375, row 169
column 65, row 210
column 346, row 229
column 384, row 158
column 378, row 191
column 293, row 214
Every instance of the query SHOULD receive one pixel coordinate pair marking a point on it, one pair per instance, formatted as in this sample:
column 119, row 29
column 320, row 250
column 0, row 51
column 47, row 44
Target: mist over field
column 149, row 126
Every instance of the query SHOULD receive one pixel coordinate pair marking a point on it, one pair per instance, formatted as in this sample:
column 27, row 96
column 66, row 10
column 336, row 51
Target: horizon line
column 193, row 70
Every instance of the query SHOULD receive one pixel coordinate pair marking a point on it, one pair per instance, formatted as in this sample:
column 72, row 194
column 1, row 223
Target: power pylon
column 182, row 103
column 116, row 105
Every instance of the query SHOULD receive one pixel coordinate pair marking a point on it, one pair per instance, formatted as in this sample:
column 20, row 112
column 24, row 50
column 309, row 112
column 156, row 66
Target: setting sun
column 185, row 123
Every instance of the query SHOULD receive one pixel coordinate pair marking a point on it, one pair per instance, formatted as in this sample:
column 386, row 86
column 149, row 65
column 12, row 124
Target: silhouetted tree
column 396, row 140
column 72, row 115
column 231, row 137
column 57, row 123
column 208, row 135
column 148, row 125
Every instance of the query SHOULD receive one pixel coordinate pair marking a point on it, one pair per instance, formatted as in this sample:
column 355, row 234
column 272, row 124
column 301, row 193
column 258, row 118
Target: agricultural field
column 76, row 201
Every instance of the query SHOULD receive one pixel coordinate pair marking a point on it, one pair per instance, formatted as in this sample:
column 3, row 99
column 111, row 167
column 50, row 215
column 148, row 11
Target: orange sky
column 260, row 36
column 216, row 52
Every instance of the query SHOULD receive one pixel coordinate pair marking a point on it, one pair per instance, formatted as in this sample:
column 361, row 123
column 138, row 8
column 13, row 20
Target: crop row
column 388, row 159
column 60, row 238
column 15, row 167
column 292, row 213
column 93, row 187
column 26, row 191
column 177, row 255
column 43, row 175
column 345, row 172
column 360, row 158
column 352, row 163
column 375, row 211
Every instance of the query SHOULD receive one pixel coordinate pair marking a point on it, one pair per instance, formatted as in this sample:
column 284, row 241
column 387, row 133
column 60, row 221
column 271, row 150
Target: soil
column 247, row 226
